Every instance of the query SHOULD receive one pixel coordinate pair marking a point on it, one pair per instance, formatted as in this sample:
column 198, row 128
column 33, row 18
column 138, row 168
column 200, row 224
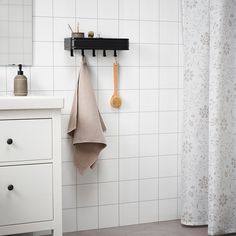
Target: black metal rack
column 93, row 44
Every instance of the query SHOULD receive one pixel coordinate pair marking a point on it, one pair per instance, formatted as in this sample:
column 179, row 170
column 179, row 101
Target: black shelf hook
column 82, row 52
column 94, row 54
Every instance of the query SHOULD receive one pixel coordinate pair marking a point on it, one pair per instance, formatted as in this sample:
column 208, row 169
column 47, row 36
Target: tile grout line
column 97, row 93
column 139, row 102
column 123, row 203
column 123, row 180
column 158, row 119
column 53, row 62
column 118, row 140
column 76, row 177
column 121, row 19
column 177, row 213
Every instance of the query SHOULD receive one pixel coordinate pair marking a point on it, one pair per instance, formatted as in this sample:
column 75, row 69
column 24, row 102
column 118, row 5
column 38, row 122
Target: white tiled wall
column 136, row 178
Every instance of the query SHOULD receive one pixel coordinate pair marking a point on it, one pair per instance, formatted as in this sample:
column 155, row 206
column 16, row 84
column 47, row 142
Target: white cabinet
column 30, row 165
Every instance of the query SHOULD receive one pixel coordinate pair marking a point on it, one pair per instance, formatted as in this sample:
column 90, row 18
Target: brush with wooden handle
column 115, row 99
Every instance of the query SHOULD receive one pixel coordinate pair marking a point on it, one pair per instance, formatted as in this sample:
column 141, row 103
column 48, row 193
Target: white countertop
column 30, row 102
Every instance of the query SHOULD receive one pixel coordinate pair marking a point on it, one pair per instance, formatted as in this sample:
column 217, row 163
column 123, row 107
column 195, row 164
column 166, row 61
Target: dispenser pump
column 20, row 83
column 20, row 72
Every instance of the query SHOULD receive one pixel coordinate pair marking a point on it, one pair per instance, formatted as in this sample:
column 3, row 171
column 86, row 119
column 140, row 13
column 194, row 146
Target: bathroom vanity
column 30, row 165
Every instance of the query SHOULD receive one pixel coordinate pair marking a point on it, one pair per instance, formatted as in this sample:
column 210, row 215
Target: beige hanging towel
column 86, row 125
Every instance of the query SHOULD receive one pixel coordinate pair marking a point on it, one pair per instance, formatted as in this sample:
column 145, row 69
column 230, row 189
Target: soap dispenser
column 20, row 83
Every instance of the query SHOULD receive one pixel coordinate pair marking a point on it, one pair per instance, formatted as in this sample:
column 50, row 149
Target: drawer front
column 22, row 140
column 25, row 194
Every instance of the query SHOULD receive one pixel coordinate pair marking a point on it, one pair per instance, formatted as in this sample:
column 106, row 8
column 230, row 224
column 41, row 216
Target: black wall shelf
column 93, row 44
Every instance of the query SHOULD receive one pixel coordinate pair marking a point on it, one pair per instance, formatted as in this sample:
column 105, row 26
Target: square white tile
column 41, row 78
column 107, row 170
column 169, row 55
column 148, row 189
column 149, row 77
column 128, row 214
column 108, row 216
column 43, row 53
column 148, row 145
column 108, row 9
column 148, row 167
column 108, row 193
column 129, row 191
column 129, row 146
column 168, row 209
column 169, row 10
column 129, row 123
column 148, row 100
column 148, row 122
column 87, row 218
column 86, row 9
column 149, row 10
column 129, row 9
column 168, row 99
column 149, row 32
column 42, row 8
column 64, row 8
column 87, row 195
column 42, row 30
column 64, row 78
column 169, row 77
column 168, row 166
column 149, row 55
column 168, row 122
column 148, row 212
column 169, row 32
column 128, row 169
column 168, row 144
column 168, row 188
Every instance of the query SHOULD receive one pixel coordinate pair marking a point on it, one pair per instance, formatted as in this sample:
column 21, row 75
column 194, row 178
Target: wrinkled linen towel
column 86, row 125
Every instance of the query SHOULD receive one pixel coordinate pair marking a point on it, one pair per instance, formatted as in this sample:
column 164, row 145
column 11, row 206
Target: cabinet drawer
column 22, row 140
column 31, row 199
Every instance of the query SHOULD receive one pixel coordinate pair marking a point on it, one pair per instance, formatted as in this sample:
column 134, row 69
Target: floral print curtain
column 209, row 139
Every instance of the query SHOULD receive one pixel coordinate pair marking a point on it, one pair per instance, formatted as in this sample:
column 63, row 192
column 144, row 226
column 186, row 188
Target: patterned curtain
column 209, row 141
